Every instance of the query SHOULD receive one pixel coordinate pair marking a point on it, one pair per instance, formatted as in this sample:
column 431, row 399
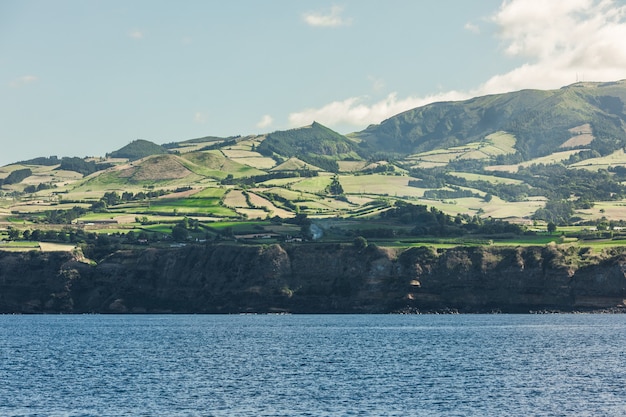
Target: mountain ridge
column 538, row 118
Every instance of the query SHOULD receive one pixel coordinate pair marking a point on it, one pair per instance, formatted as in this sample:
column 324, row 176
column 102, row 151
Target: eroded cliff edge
column 315, row 278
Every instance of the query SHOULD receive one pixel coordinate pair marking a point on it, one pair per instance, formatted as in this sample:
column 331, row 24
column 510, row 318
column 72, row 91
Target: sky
column 87, row 77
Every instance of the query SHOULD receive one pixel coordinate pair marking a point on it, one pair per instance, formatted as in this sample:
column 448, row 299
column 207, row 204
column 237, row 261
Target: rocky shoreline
column 316, row 278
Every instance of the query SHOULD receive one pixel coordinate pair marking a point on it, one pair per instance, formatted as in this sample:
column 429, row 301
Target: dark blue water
column 491, row 365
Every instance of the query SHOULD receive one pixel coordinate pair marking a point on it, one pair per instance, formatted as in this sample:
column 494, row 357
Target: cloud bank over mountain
column 559, row 42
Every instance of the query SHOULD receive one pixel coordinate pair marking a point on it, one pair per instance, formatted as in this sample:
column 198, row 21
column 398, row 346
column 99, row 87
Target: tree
column 111, row 198
column 14, row 234
column 551, row 227
column 335, row 187
column 360, row 242
column 180, row 233
column 35, row 235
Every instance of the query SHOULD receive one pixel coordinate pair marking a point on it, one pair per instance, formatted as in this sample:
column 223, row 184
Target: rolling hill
column 532, row 155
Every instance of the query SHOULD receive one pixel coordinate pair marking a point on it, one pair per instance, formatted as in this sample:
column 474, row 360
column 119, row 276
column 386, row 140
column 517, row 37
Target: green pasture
column 262, row 162
column 500, row 209
column 295, row 164
column 546, row 160
column 238, row 152
column 499, row 143
column 157, row 228
column 291, row 195
column 280, row 182
column 202, row 204
column 89, row 217
column 377, row 184
column 19, row 246
column 537, row 240
column 504, row 141
column 488, row 178
column 242, row 227
column 603, row 243
column 251, row 213
column 313, row 184
column 476, row 154
column 614, row 210
column 110, row 181
column 617, row 158
column 321, row 207
column 214, row 164
column 491, row 150
column 209, row 192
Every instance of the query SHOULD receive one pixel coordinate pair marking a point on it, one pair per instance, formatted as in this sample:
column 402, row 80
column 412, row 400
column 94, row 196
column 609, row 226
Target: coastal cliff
column 315, row 278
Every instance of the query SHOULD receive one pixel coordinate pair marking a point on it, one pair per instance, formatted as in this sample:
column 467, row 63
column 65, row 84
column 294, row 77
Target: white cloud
column 266, row 121
column 353, row 111
column 562, row 41
column 23, row 81
column 332, row 19
column 472, row 28
column 201, row 117
column 136, row 34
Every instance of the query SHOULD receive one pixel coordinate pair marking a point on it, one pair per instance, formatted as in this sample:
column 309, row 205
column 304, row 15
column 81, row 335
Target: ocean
column 313, row 365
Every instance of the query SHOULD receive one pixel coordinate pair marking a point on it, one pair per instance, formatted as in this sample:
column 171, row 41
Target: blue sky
column 83, row 78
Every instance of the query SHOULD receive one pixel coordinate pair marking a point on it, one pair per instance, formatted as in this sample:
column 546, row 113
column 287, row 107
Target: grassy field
column 603, row 243
column 614, row 210
column 313, row 184
column 294, row 164
column 351, row 166
column 499, row 143
column 236, row 199
column 377, row 184
column 488, row 178
column 19, row 246
column 617, row 158
column 279, row 182
column 210, row 207
column 546, row 160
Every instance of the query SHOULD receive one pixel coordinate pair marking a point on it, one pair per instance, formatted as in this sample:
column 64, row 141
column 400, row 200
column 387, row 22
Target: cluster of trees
column 380, row 169
column 317, row 139
column 82, row 166
column 566, row 189
column 39, row 235
column 29, row 189
column 433, row 222
column 182, row 230
column 56, row 216
column 17, row 176
column 335, row 188
column 557, row 182
column 138, row 149
column 75, row 164
column 316, row 145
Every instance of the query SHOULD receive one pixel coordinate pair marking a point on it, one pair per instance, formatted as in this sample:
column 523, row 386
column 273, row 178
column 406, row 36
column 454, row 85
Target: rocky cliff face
column 314, row 278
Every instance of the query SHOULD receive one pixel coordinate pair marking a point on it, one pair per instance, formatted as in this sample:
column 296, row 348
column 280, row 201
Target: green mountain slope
column 540, row 120
column 315, row 144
